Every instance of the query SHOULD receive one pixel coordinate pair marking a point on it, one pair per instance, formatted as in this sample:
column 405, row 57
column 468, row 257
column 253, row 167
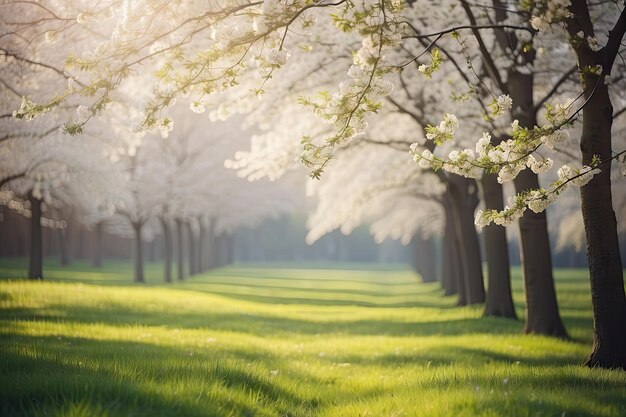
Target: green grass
column 269, row 341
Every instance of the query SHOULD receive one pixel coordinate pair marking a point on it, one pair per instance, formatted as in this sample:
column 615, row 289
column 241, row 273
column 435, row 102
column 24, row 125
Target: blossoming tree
column 205, row 48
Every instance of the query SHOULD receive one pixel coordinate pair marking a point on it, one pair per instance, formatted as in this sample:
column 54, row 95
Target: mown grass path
column 269, row 341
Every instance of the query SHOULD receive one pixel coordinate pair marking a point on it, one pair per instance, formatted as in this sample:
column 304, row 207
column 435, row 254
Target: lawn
column 253, row 340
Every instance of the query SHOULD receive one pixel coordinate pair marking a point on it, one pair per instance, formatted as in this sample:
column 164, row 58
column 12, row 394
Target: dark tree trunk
column 200, row 257
column 542, row 312
column 64, row 256
column 152, row 250
column 450, row 271
column 80, row 249
column 605, row 265
column 424, row 259
column 464, row 195
column 499, row 302
column 230, row 248
column 97, row 251
column 35, row 268
column 191, row 249
column 212, row 252
column 139, row 277
column 169, row 253
column 180, row 250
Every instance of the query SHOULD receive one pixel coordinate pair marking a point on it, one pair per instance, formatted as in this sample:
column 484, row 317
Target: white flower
column 481, row 219
column 538, row 201
column 539, row 166
column 556, row 137
column 565, row 173
column 82, row 113
column 501, row 105
column 482, row 145
column 585, row 175
column 166, row 125
column 197, row 106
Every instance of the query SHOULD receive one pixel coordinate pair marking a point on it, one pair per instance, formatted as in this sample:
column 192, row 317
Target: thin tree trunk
column 35, row 268
column 463, row 192
column 139, row 276
column 97, row 252
column 424, row 259
column 449, row 266
column 180, row 252
column 542, row 312
column 603, row 253
column 499, row 302
column 64, row 257
column 200, row 256
column 213, row 253
column 230, row 248
column 191, row 249
column 168, row 258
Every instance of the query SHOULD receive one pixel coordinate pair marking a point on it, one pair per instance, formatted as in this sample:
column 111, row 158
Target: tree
column 209, row 52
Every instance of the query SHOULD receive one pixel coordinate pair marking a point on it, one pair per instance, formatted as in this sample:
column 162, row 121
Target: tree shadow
column 131, row 378
column 260, row 324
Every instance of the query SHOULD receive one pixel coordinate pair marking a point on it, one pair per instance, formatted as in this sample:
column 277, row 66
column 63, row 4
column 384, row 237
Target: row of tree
column 509, row 81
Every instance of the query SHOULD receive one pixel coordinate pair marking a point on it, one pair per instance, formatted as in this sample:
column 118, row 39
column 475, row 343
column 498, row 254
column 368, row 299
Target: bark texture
column 97, row 251
column 499, row 301
column 542, row 312
column 424, row 257
column 139, row 276
column 35, row 266
column 168, row 256
column 180, row 250
column 605, row 265
column 450, row 271
column 464, row 195
column 191, row 249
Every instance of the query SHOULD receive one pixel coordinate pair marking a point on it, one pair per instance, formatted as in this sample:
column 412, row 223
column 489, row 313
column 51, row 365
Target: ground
column 258, row 340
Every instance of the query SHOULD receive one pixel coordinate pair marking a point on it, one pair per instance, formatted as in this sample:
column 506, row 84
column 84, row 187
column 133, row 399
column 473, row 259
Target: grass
column 285, row 341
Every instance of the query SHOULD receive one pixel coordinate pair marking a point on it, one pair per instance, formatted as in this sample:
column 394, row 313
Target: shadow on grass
column 446, row 355
column 259, row 324
column 42, row 374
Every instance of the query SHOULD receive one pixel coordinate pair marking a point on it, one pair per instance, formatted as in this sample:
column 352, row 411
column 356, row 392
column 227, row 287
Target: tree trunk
column 180, row 252
column 424, row 259
column 499, row 302
column 230, row 248
column 139, row 277
column 464, row 195
column 212, row 253
column 168, row 258
column 605, row 265
column 542, row 312
column 191, row 249
column 450, row 267
column 200, row 258
column 35, row 268
column 64, row 256
column 97, row 251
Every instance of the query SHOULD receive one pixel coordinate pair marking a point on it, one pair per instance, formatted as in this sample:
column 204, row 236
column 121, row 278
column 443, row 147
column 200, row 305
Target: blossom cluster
column 537, row 200
column 508, row 158
column 549, row 12
column 360, row 95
